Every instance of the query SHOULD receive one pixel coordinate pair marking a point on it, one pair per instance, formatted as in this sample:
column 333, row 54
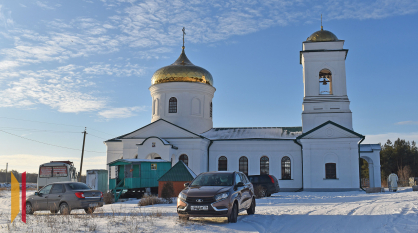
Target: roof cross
column 184, row 33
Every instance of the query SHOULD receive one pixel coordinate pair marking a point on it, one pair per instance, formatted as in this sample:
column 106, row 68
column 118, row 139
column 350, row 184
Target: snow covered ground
column 283, row 212
column 9, row 185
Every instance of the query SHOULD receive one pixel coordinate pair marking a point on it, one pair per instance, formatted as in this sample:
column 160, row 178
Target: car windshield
column 77, row 186
column 211, row 179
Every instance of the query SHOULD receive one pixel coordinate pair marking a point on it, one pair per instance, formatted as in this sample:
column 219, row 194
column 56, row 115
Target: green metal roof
column 179, row 172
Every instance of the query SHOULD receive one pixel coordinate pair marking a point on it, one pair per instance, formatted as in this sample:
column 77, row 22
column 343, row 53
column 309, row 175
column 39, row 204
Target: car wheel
column 251, row 210
column 64, row 209
column 29, row 209
column 54, row 211
column 233, row 217
column 263, row 192
column 89, row 210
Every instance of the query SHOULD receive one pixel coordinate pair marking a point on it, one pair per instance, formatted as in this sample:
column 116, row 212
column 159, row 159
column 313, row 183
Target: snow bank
column 8, row 185
column 284, row 212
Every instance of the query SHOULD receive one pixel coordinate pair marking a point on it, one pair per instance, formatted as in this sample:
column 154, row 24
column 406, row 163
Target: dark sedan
column 64, row 197
column 265, row 184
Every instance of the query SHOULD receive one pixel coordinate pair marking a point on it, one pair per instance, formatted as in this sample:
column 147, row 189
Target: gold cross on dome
column 184, row 33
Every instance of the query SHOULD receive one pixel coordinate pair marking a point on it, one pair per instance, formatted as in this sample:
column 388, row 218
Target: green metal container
column 137, row 173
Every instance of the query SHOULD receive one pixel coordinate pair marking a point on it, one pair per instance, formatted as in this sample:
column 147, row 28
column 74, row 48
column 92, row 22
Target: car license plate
column 199, row 207
column 94, row 205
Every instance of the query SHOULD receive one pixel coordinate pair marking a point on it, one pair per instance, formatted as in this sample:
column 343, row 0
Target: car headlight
column 182, row 196
column 221, row 196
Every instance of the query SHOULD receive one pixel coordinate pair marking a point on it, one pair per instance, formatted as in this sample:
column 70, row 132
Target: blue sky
column 66, row 65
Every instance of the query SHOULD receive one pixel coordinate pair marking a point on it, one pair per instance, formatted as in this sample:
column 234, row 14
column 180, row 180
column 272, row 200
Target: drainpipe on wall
column 301, row 152
column 210, row 144
column 359, row 169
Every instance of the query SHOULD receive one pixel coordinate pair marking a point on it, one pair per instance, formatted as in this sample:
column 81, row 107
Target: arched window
column 222, row 164
column 185, row 159
column 210, row 111
column 325, row 82
column 243, row 165
column 286, row 168
column 330, row 171
column 172, row 105
column 264, row 165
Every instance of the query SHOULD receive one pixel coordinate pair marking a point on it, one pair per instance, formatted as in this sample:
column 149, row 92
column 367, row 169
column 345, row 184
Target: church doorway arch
column 153, row 156
column 370, row 167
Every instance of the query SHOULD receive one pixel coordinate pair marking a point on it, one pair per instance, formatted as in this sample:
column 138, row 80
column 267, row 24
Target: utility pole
column 82, row 153
column 7, row 164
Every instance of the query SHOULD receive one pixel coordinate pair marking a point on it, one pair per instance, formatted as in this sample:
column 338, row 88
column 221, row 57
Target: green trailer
column 132, row 177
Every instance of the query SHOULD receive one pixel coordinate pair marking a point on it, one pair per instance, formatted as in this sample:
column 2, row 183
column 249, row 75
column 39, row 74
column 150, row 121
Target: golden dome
column 322, row 36
column 182, row 70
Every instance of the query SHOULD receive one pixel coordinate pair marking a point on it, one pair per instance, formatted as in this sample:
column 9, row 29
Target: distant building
column 321, row 155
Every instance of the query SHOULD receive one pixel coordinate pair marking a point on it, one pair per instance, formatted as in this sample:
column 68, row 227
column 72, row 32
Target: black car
column 268, row 184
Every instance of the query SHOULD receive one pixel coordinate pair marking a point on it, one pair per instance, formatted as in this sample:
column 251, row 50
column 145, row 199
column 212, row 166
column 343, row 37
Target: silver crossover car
column 217, row 194
column 64, row 197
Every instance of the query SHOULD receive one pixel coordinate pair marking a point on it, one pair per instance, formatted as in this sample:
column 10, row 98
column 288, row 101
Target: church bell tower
column 325, row 90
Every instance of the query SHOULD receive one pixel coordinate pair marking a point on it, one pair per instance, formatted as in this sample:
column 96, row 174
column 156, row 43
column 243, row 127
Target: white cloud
column 43, row 5
column 6, row 18
column 407, row 123
column 30, row 163
column 118, row 70
column 5, row 65
column 60, row 89
column 382, row 138
column 153, row 28
column 122, row 112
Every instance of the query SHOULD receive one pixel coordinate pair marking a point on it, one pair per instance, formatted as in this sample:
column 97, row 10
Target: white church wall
column 193, row 104
column 334, row 45
column 318, row 152
column 195, row 149
column 130, row 150
column 315, row 62
column 318, row 108
column 153, row 147
column 114, row 150
column 254, row 150
column 311, row 121
column 373, row 159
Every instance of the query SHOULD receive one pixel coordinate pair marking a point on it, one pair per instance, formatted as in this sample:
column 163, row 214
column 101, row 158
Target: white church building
column 321, row 155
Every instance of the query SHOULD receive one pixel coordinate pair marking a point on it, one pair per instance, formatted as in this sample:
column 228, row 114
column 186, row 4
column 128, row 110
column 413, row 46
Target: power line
column 50, row 144
column 43, row 122
column 40, row 122
column 36, row 130
column 46, row 131
column 97, row 136
column 101, row 131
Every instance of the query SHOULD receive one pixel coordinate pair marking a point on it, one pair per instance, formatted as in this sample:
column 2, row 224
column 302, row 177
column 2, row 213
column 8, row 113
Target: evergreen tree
column 398, row 155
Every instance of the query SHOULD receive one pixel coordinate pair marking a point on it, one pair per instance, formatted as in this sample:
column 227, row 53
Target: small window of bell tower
column 325, row 82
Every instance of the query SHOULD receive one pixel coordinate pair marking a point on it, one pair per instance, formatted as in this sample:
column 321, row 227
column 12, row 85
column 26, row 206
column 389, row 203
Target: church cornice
column 322, row 50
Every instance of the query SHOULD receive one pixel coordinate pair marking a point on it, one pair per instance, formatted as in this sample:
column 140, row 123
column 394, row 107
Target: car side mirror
column 186, row 185
column 37, row 193
column 240, row 184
